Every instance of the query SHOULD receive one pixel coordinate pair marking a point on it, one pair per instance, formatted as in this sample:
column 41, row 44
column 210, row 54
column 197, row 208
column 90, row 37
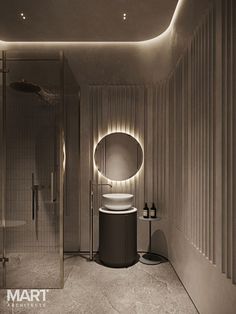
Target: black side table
column 150, row 258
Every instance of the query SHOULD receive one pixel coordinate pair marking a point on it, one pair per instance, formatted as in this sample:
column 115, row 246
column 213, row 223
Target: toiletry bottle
column 153, row 211
column 145, row 211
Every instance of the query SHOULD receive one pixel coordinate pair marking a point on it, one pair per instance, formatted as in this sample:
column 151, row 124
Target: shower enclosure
column 32, row 169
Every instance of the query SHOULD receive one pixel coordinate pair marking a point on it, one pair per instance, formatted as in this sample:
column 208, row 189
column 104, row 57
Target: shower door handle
column 36, row 207
column 52, row 187
column 35, row 203
column 33, row 197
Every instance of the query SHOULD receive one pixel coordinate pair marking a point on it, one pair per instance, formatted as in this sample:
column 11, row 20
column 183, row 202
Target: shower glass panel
column 33, row 194
column 1, row 178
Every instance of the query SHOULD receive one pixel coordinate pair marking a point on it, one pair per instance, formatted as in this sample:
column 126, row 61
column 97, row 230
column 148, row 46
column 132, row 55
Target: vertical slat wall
column 118, row 108
column 192, row 140
column 134, row 109
column 229, row 137
column 157, row 146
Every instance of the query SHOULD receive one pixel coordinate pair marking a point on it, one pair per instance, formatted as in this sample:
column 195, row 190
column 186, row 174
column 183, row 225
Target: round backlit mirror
column 118, row 156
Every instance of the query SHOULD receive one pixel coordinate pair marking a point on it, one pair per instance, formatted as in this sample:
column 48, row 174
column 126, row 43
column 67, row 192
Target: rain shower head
column 26, row 87
column 47, row 97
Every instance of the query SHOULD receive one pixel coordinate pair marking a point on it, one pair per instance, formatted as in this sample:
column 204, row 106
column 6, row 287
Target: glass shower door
column 34, row 172
column 2, row 172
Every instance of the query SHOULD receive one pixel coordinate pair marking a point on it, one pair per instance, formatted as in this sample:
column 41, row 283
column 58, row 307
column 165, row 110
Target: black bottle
column 145, row 211
column 153, row 211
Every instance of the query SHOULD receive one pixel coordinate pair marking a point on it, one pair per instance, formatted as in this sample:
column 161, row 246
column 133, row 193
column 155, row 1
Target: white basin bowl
column 117, row 201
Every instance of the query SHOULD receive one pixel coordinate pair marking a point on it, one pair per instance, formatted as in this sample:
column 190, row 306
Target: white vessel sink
column 117, row 201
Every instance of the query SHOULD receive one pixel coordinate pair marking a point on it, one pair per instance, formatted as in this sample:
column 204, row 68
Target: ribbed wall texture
column 131, row 109
column 134, row 110
column 192, row 135
column 202, row 157
column 229, row 139
column 119, row 109
column 191, row 90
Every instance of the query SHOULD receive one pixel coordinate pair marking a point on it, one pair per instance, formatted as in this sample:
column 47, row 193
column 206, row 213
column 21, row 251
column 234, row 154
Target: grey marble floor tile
column 96, row 289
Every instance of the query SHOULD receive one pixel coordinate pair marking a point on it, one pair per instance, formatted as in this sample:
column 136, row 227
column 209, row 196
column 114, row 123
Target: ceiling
column 84, row 20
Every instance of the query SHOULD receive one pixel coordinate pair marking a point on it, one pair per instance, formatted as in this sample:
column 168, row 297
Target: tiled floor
column 93, row 288
column 32, row 270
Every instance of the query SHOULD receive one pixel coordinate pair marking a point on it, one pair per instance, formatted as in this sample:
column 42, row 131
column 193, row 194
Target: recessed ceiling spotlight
column 22, row 15
column 124, row 16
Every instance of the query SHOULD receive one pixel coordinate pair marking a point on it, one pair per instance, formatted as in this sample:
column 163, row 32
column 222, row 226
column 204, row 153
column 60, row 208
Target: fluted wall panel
column 228, row 136
column 193, row 128
column 192, row 139
column 201, row 140
column 141, row 111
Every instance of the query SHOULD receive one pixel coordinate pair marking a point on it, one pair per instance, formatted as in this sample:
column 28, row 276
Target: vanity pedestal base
column 118, row 238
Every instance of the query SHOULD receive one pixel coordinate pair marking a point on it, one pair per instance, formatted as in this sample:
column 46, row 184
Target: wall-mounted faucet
column 91, row 194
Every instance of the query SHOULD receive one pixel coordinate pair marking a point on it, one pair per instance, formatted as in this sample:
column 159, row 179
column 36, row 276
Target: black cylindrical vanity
column 118, row 237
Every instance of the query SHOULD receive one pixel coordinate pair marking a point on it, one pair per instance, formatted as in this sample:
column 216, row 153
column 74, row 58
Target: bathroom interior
column 118, row 136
